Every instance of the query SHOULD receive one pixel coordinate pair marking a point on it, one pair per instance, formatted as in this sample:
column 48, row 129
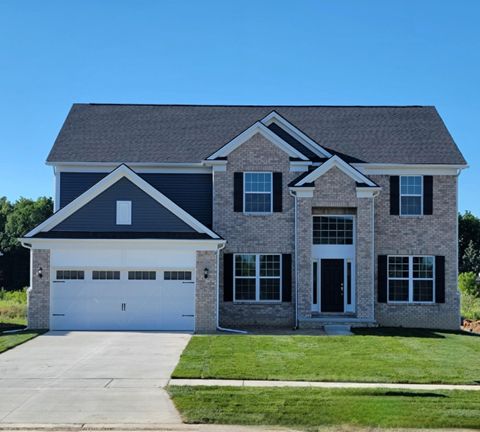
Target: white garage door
column 114, row 299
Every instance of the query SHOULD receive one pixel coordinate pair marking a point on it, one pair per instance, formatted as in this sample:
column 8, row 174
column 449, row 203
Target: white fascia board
column 249, row 133
column 44, row 243
column 296, row 133
column 187, row 168
column 408, row 169
column 105, row 183
column 368, row 192
column 335, row 161
column 302, row 192
column 216, row 165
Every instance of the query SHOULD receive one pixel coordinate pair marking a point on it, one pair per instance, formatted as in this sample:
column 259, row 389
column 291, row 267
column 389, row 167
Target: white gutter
column 222, row 246
column 294, row 194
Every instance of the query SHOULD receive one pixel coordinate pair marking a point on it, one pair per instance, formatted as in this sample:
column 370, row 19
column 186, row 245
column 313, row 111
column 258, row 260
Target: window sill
column 411, row 216
column 257, row 214
column 255, row 302
column 399, row 303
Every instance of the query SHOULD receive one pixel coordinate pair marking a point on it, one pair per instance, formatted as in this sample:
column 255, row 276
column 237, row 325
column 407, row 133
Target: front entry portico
column 333, row 264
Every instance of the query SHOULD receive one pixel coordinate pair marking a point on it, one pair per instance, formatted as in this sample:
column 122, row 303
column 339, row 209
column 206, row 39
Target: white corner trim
column 257, row 127
column 105, row 183
column 296, row 133
column 335, row 161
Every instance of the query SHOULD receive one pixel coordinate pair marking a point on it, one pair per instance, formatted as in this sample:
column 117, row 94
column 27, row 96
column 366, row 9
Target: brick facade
column 254, row 234
column 377, row 233
column 434, row 234
column 206, row 292
column 39, row 291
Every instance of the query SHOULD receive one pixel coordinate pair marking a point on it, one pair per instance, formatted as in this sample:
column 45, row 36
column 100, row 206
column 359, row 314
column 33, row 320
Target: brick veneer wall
column 206, row 293
column 434, row 234
column 39, row 291
column 273, row 233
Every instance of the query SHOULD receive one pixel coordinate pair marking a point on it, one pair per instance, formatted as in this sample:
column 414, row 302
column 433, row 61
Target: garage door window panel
column 142, row 275
column 106, row 275
column 178, row 275
column 70, row 275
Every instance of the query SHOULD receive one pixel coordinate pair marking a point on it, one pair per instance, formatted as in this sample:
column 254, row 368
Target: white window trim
column 124, row 212
column 250, row 213
column 410, row 280
column 257, row 278
column 400, row 195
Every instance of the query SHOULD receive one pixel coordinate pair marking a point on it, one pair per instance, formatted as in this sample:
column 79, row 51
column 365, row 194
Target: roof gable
column 257, row 128
column 61, row 218
column 309, row 178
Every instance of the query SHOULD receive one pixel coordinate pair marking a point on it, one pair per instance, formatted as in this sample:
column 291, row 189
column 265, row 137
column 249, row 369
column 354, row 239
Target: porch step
column 319, row 322
column 337, row 330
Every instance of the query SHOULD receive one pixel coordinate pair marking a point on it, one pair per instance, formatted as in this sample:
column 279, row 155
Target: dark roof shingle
column 190, row 133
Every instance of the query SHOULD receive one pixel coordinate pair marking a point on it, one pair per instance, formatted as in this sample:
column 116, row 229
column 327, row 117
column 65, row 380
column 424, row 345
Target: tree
column 23, row 216
column 15, row 221
column 468, row 238
column 467, row 283
column 471, row 259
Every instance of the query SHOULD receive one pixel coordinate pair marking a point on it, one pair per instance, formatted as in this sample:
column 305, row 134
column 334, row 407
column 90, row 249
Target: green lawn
column 377, row 355
column 9, row 340
column 308, row 408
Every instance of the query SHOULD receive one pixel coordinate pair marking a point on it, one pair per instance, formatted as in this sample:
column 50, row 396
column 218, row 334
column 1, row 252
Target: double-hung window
column 257, row 277
column 257, row 197
column 411, row 195
column 411, row 279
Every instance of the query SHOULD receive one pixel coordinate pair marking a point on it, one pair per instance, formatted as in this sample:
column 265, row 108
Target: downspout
column 375, row 194
column 296, row 259
column 218, row 297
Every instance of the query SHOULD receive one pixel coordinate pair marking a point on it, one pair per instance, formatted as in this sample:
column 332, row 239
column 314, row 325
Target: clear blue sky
column 55, row 53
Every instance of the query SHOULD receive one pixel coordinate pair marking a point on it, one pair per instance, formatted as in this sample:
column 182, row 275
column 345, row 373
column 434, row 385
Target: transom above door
column 333, row 264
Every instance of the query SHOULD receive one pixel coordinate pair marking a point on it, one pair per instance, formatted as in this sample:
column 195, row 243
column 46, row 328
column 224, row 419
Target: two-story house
column 173, row 217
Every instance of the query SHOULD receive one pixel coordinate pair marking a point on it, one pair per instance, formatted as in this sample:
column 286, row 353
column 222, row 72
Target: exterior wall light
column 205, row 273
column 40, row 272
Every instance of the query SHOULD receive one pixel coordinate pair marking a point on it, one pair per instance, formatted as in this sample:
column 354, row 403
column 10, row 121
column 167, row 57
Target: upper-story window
column 257, row 192
column 333, row 230
column 411, row 195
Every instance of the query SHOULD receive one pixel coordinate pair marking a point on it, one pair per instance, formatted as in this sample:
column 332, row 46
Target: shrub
column 470, row 306
column 467, row 283
column 19, row 297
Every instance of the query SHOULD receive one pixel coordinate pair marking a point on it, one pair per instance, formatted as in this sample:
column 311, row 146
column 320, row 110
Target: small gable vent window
column 124, row 212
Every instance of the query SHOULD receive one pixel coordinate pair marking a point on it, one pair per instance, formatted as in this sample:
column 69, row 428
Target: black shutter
column 382, row 279
column 394, row 195
column 440, row 279
column 428, row 195
column 238, row 192
column 277, row 191
column 286, row 278
column 228, row 277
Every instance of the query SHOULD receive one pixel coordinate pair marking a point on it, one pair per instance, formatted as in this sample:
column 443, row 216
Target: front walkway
column 317, row 384
column 90, row 378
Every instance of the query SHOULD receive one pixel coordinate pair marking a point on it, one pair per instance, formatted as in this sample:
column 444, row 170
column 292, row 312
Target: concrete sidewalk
column 317, row 384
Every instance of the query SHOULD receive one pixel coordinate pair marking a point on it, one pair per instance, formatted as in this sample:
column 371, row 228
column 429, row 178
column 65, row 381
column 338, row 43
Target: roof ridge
column 252, row 106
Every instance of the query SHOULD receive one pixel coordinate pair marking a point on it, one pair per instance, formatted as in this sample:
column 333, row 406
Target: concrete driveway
column 90, row 378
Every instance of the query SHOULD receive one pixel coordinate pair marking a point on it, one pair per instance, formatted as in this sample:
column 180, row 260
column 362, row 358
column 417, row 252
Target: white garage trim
column 105, row 183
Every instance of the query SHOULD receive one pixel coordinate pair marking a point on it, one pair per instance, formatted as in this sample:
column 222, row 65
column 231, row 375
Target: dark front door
column 332, row 285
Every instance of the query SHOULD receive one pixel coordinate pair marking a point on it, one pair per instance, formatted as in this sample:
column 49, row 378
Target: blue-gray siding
column 192, row 192
column 99, row 215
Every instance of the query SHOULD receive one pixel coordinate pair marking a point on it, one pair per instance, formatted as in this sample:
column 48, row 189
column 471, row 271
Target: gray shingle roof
column 190, row 133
